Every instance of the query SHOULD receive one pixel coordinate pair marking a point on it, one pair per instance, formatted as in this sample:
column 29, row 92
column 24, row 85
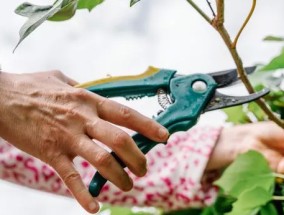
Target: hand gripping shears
column 183, row 97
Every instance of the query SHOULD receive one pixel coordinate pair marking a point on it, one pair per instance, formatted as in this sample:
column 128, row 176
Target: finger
column 119, row 114
column 121, row 143
column 73, row 181
column 104, row 162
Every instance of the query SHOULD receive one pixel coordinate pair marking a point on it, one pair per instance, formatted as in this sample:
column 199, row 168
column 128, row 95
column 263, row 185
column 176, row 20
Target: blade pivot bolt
column 199, row 86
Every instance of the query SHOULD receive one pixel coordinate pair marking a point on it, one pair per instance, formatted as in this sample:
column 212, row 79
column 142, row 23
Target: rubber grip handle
column 99, row 181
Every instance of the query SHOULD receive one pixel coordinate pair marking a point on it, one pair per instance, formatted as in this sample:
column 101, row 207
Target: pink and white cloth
column 175, row 177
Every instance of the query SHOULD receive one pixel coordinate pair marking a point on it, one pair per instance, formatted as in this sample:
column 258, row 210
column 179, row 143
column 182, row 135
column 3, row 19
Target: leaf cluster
column 60, row 10
column 251, row 182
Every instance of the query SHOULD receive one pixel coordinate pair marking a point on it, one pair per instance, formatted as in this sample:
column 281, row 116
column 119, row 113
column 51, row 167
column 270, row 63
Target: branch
column 244, row 24
column 218, row 24
column 219, row 19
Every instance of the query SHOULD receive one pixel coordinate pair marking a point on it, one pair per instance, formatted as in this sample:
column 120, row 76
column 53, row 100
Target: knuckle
column 80, row 93
column 91, row 126
column 120, row 139
column 50, row 157
column 70, row 177
column 103, row 159
column 102, row 103
column 125, row 112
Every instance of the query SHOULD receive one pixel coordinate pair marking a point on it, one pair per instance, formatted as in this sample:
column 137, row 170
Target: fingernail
column 163, row 133
column 93, row 206
column 129, row 185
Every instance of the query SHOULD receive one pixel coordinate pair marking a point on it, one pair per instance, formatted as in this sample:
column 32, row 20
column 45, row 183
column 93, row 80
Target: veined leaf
column 88, row 4
column 67, row 11
column 60, row 10
column 249, row 170
column 251, row 201
column 27, row 9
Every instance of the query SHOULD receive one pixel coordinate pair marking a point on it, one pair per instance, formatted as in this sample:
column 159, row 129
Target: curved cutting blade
column 220, row 100
column 227, row 77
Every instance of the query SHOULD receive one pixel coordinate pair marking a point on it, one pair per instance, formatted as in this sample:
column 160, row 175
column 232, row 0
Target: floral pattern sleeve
column 175, row 177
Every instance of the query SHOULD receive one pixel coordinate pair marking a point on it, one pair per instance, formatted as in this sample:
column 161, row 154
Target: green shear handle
column 182, row 114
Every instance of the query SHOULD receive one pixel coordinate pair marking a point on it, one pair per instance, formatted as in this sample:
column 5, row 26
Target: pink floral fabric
column 175, row 177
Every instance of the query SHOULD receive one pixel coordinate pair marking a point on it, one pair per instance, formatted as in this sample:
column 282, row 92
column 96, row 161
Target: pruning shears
column 183, row 97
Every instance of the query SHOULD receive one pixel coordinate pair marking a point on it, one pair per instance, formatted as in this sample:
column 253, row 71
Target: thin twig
column 211, row 8
column 199, row 11
column 218, row 24
column 244, row 24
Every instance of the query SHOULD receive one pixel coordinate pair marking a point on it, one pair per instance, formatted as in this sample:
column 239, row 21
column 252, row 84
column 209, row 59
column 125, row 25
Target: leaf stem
column 278, row 175
column 218, row 24
column 278, row 198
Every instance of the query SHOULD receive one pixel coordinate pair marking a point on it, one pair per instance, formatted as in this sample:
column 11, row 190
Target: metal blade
column 220, row 100
column 227, row 77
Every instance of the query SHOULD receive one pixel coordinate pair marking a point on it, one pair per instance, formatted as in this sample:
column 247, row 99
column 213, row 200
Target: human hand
column 43, row 115
column 264, row 137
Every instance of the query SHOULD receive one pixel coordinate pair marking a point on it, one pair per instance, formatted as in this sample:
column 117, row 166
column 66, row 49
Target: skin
column 56, row 122
column 264, row 137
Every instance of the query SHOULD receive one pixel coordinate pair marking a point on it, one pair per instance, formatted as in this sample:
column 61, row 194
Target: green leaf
column 88, row 4
column 224, row 203
column 250, row 201
column 274, row 38
column 249, row 170
column 27, row 9
column 133, row 2
column 67, row 11
column 268, row 209
column 207, row 211
column 36, row 18
column 275, row 63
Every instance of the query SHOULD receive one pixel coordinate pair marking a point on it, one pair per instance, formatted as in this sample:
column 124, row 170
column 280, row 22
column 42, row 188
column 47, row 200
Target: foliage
column 250, row 180
column 61, row 10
